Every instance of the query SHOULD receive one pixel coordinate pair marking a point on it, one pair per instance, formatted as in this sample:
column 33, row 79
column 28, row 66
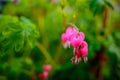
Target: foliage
column 30, row 36
column 16, row 34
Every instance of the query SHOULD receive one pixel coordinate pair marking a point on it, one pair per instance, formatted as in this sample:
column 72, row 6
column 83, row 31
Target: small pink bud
column 45, row 74
column 47, row 67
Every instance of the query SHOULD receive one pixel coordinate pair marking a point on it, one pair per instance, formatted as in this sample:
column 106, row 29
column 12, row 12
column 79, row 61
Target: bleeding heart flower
column 71, row 32
column 72, row 37
column 65, row 41
column 68, row 35
column 76, row 41
column 84, row 49
column 81, row 34
column 64, row 38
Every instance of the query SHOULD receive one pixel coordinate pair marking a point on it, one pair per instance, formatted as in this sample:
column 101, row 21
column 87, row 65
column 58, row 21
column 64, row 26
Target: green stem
column 45, row 52
column 58, row 50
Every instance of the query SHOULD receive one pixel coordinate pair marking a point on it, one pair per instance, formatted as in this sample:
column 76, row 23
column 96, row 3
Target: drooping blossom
column 84, row 49
column 77, row 39
column 67, row 36
column 72, row 37
column 80, row 52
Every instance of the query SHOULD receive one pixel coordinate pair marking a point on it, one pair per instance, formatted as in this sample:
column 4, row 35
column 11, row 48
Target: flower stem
column 45, row 52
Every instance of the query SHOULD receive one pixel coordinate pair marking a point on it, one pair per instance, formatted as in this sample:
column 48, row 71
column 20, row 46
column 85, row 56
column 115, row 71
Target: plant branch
column 45, row 52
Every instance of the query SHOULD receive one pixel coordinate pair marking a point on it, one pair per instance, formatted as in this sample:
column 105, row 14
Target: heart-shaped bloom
column 65, row 41
column 82, row 35
column 84, row 49
column 72, row 37
column 64, row 38
column 68, row 35
column 71, row 32
column 77, row 40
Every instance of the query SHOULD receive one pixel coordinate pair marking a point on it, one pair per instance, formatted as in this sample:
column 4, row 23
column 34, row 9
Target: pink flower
column 77, row 56
column 64, row 38
column 82, row 35
column 67, row 36
column 71, row 32
column 43, row 76
column 84, row 49
column 76, row 41
column 72, row 37
column 47, row 67
column 65, row 41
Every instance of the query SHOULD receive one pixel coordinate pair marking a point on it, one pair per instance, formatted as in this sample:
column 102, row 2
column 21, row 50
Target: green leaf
column 15, row 32
column 71, row 2
column 109, row 4
column 97, row 6
column 19, row 46
column 25, row 20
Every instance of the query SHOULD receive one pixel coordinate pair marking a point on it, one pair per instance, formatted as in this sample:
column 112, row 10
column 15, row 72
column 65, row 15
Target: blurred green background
column 30, row 36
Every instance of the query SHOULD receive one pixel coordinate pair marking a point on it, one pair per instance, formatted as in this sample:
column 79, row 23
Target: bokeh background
column 30, row 37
